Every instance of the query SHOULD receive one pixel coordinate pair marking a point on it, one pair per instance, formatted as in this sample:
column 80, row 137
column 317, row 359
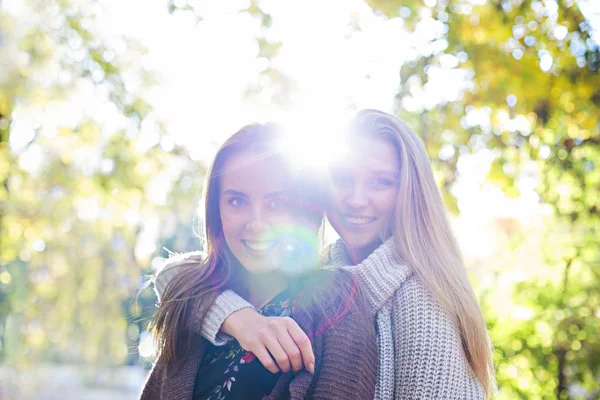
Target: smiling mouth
column 259, row 246
column 358, row 221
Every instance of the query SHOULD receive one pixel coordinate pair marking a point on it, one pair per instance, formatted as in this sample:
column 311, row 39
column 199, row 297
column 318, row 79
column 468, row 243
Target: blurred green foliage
column 79, row 201
column 78, row 230
column 532, row 71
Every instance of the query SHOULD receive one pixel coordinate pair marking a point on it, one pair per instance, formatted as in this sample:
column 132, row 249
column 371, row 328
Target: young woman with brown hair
column 261, row 222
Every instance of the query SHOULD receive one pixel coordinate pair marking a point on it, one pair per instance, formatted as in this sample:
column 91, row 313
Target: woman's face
column 254, row 203
column 363, row 190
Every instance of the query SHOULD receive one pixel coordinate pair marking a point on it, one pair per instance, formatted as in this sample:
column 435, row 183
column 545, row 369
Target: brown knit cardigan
column 345, row 353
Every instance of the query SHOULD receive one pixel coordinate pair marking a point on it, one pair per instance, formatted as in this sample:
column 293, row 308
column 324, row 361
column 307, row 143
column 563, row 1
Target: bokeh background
column 110, row 111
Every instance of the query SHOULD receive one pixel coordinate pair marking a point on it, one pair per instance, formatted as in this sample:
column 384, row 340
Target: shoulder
column 328, row 295
column 423, row 329
column 336, row 312
column 416, row 307
column 324, row 289
column 414, row 289
column 174, row 379
column 178, row 259
column 169, row 268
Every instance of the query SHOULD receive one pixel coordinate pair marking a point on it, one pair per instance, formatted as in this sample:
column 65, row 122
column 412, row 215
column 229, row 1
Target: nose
column 357, row 197
column 257, row 221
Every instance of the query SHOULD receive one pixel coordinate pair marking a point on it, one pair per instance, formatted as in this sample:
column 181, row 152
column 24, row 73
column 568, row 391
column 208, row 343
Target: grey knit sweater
column 420, row 352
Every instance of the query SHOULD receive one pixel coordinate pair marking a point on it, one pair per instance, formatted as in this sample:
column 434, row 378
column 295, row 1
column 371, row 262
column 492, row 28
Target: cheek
column 334, row 197
column 386, row 203
column 232, row 226
column 282, row 218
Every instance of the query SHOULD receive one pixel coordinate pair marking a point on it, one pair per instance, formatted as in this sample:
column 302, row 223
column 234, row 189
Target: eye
column 277, row 204
column 341, row 179
column 383, row 183
column 237, row 202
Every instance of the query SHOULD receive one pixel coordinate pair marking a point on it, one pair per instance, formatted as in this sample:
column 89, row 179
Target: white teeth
column 259, row 246
column 359, row 220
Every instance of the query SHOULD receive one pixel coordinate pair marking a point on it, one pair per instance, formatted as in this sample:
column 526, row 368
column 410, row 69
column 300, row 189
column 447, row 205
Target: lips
column 259, row 246
column 358, row 220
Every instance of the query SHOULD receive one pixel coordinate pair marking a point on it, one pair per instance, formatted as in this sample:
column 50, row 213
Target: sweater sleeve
column 430, row 361
column 346, row 363
column 153, row 386
column 348, row 367
column 224, row 305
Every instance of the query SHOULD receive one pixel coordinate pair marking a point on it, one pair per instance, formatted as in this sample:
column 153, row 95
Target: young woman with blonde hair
column 384, row 204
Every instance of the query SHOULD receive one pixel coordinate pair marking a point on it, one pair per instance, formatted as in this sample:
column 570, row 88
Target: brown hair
column 201, row 277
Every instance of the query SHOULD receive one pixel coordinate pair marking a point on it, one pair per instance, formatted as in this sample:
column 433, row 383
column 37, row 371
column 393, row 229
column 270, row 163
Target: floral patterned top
column 230, row 372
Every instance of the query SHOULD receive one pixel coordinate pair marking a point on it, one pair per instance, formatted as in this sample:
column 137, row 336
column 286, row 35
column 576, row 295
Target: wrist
column 239, row 320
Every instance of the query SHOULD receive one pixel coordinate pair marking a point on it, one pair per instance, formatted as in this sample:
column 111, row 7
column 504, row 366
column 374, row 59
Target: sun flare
column 312, row 139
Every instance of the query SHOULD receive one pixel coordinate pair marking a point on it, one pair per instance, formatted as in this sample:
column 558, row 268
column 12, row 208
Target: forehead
column 255, row 173
column 370, row 155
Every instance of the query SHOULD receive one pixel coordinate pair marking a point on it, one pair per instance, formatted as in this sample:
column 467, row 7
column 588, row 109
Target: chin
column 259, row 268
column 360, row 241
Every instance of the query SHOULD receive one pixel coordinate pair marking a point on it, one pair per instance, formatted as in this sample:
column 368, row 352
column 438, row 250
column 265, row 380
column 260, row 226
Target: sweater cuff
column 224, row 305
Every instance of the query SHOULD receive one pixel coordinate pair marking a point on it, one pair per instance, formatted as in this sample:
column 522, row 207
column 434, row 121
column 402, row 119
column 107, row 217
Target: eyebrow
column 278, row 194
column 394, row 172
column 386, row 172
column 233, row 192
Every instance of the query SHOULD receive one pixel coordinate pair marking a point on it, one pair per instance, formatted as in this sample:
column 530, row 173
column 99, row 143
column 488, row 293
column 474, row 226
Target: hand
column 278, row 342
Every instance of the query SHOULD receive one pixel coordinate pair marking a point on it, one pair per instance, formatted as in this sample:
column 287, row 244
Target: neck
column 359, row 254
column 264, row 286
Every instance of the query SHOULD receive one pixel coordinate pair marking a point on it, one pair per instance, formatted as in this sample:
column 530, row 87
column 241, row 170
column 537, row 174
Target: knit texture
column 420, row 352
column 345, row 362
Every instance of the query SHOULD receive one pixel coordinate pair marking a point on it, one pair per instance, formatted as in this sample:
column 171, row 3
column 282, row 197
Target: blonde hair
column 424, row 238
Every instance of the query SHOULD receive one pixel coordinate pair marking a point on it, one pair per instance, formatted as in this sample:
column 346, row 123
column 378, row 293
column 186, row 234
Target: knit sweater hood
column 381, row 273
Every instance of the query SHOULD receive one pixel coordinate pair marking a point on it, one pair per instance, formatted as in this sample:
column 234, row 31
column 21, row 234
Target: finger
column 278, row 354
column 303, row 343
column 291, row 349
column 266, row 360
